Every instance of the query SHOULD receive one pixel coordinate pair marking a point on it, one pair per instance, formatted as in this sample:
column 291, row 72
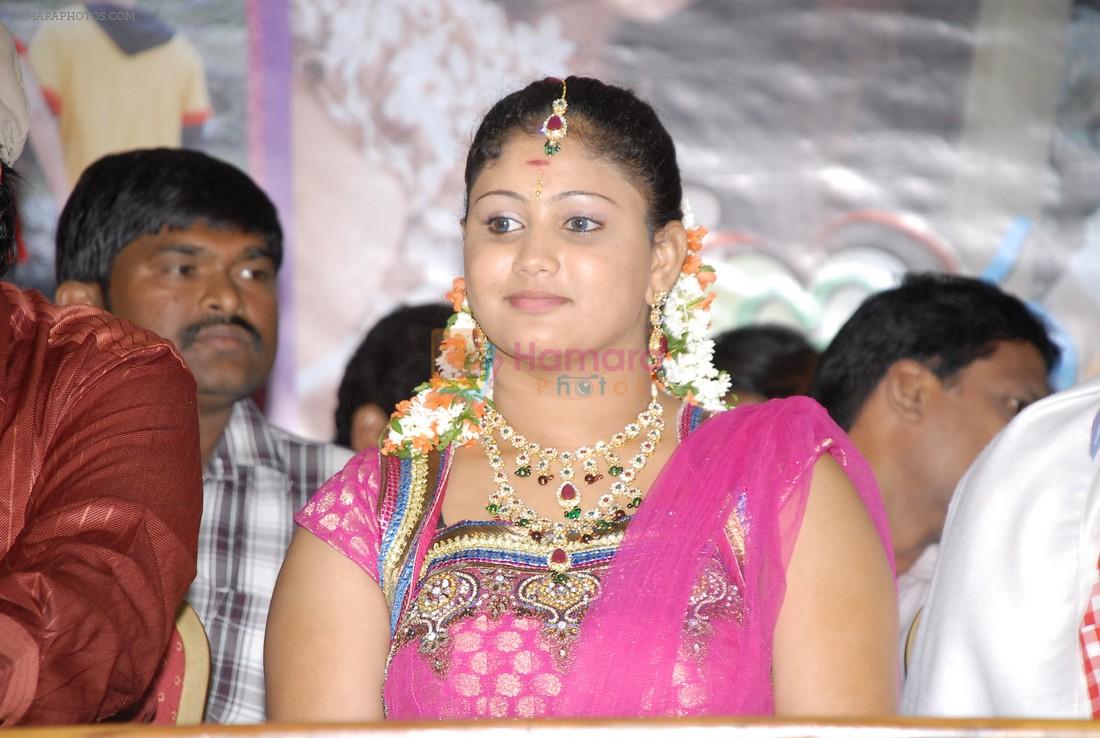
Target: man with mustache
column 188, row 246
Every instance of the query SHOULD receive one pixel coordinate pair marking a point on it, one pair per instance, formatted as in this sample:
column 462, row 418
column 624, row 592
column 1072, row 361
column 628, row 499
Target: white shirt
column 1018, row 558
column 913, row 588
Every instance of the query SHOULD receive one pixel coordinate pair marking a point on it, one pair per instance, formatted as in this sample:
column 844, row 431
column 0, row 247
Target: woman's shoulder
column 364, row 464
column 345, row 512
column 353, row 488
column 785, row 414
column 769, row 442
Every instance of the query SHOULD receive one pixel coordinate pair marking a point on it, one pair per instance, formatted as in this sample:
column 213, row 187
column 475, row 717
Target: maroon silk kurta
column 100, row 499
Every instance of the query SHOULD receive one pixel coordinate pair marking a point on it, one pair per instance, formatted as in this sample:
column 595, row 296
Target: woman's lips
column 536, row 302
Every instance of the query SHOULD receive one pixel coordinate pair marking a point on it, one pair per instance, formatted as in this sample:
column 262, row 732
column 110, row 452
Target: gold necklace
column 578, row 525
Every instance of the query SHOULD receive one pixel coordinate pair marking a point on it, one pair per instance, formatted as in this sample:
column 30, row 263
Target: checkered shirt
column 1090, row 647
column 257, row 478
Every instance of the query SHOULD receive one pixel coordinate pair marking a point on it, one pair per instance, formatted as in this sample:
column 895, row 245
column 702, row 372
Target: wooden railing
column 694, row 728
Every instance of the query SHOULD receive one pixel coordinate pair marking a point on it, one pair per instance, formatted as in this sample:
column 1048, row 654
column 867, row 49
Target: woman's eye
column 581, row 224
column 502, row 224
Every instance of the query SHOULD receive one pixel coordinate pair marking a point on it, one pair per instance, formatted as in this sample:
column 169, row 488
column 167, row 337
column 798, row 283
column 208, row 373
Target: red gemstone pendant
column 553, row 123
column 558, row 560
column 568, row 496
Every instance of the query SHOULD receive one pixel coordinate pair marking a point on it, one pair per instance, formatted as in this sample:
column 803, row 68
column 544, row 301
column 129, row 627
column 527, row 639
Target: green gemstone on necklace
column 559, row 577
column 533, row 461
column 635, row 502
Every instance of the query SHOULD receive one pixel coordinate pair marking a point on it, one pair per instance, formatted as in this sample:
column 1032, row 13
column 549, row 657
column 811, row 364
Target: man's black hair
column 392, row 360
column 123, row 197
column 943, row 321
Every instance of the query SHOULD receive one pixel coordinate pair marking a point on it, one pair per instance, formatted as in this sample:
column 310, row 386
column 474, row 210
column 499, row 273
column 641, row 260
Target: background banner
column 828, row 145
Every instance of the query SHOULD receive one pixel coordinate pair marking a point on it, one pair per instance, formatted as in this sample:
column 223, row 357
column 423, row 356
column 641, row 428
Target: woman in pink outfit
column 565, row 522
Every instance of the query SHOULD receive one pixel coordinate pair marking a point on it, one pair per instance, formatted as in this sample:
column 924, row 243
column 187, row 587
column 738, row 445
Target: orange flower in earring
column 447, row 408
column 460, row 355
column 457, row 295
column 454, row 350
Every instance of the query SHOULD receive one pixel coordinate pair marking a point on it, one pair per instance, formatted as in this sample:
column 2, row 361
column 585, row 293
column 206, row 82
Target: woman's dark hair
column 767, row 360
column 122, row 197
column 612, row 122
column 9, row 215
column 392, row 360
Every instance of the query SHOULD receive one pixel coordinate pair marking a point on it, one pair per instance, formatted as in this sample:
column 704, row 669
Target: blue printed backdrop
column 828, row 145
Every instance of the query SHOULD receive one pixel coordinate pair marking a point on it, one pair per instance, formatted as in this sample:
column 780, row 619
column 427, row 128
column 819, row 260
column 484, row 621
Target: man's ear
column 908, row 387
column 72, row 292
column 367, row 423
column 669, row 252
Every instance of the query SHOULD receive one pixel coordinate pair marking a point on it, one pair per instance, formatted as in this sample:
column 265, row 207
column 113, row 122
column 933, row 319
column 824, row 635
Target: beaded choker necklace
column 578, row 525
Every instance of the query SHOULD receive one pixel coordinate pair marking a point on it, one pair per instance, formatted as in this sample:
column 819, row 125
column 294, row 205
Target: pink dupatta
column 755, row 462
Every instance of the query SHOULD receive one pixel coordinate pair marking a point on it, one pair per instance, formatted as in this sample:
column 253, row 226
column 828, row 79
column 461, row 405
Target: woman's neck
column 569, row 408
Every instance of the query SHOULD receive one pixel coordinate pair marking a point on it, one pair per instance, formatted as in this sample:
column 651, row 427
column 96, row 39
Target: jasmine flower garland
column 688, row 367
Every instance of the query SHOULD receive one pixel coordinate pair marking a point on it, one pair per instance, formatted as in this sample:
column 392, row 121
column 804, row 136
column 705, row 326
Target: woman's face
column 558, row 255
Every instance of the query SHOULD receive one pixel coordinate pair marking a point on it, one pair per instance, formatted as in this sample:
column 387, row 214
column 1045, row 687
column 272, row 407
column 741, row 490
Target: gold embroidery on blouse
column 713, row 597
column 444, row 597
column 452, row 594
column 463, row 589
column 561, row 606
column 735, row 532
column 410, row 523
column 507, row 538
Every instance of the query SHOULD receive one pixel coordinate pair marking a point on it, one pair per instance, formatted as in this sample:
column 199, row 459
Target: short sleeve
column 344, row 512
column 47, row 59
column 195, row 102
column 807, row 433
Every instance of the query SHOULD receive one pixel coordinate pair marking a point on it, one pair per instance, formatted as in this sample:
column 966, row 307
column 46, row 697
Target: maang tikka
column 555, row 126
